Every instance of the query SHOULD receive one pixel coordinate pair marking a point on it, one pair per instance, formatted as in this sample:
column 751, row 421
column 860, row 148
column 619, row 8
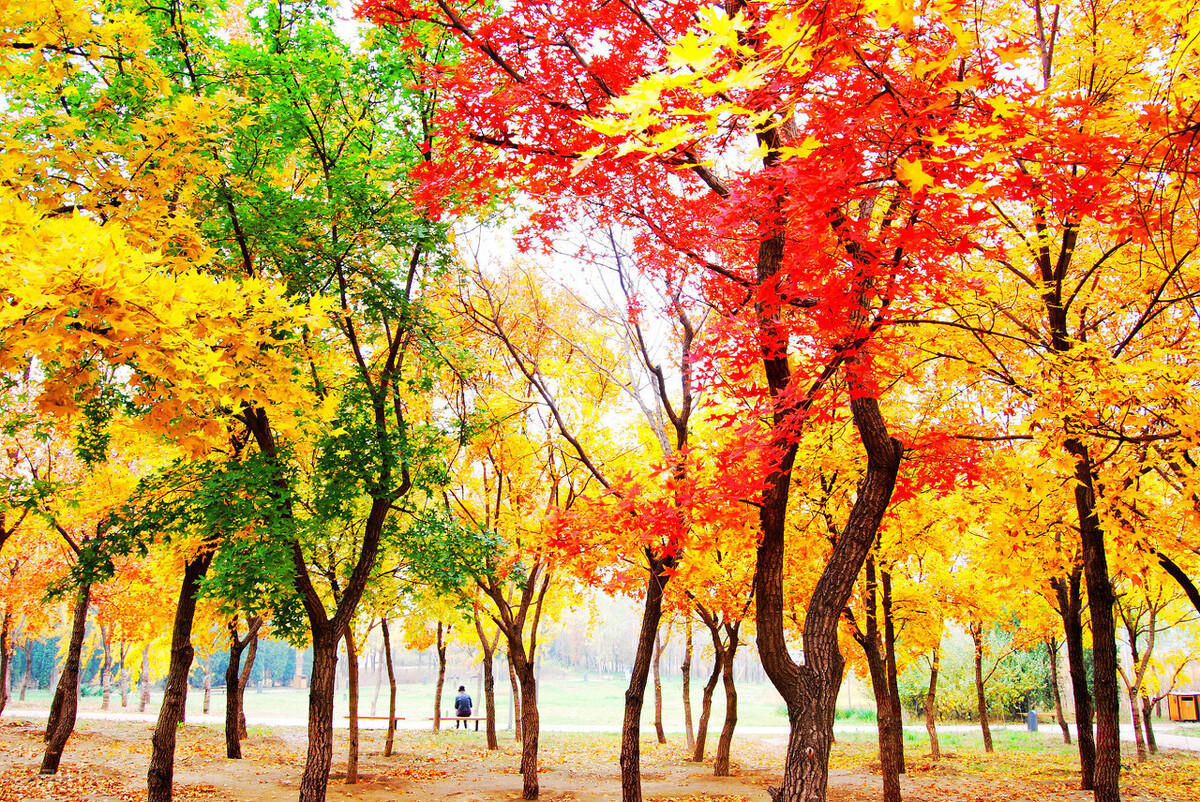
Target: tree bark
column 66, row 696
column 489, row 680
column 631, row 775
column 1136, row 720
column 658, row 706
column 441, row 678
column 389, row 743
column 1147, row 711
column 706, row 695
column 124, row 683
column 6, row 660
column 725, row 742
column 515, row 687
column 144, row 698
column 162, row 745
column 885, row 721
column 1107, row 774
column 935, row 751
column 686, row 670
column 976, row 629
column 207, row 686
column 105, row 668
column 893, row 680
column 234, row 686
column 810, row 690
column 352, row 682
column 1070, row 607
column 1052, row 652
column 28, row 673
column 322, row 688
column 244, row 680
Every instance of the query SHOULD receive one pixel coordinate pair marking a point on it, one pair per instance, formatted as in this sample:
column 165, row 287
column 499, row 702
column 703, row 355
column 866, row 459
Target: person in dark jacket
column 462, row 706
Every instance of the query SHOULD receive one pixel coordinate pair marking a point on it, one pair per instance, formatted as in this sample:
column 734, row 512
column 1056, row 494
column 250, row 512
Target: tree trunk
column 6, row 660
column 631, row 773
column 1147, row 710
column 105, row 668
column 244, row 678
column 1136, row 720
column 658, row 707
column 390, row 742
column 885, row 722
column 162, row 745
column 144, row 699
column 207, row 686
column 935, row 751
column 28, row 673
column 725, row 742
column 530, row 727
column 123, row 685
column 66, row 696
column 686, row 670
column 1070, row 606
column 1107, row 774
column 515, row 687
column 810, row 690
column 236, row 677
column 980, row 700
column 893, row 680
column 706, row 695
column 322, row 687
column 352, row 683
column 489, row 680
column 441, row 678
column 1052, row 651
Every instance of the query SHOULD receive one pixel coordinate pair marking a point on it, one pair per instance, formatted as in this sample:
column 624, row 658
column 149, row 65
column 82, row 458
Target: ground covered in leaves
column 106, row 762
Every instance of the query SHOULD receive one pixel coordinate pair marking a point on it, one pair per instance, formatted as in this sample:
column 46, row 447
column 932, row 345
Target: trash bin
column 1031, row 718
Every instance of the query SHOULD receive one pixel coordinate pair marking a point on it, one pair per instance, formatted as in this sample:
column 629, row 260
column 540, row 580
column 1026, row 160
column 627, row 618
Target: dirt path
column 106, row 761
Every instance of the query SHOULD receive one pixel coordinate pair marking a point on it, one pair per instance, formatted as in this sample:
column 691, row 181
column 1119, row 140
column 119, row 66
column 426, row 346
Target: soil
column 106, row 761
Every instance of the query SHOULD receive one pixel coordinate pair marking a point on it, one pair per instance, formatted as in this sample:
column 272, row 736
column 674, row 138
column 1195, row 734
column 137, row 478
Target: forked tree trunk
column 658, row 706
column 1070, row 606
column 352, row 682
column 1147, row 711
column 725, row 742
column 706, row 697
column 390, row 741
column 976, row 629
column 66, row 696
column 631, row 772
column 1052, row 652
column 810, row 690
column 686, row 670
column 235, row 680
column 935, row 751
column 244, row 678
column 162, row 745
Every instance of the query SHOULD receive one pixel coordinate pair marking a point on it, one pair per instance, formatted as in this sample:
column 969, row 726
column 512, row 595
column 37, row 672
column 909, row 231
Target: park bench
column 476, row 719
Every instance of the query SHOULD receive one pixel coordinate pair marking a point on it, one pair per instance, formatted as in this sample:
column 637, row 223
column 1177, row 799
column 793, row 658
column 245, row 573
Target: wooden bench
column 463, row 719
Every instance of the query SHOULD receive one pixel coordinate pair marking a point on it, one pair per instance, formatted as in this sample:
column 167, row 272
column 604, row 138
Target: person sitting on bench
column 462, row 706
